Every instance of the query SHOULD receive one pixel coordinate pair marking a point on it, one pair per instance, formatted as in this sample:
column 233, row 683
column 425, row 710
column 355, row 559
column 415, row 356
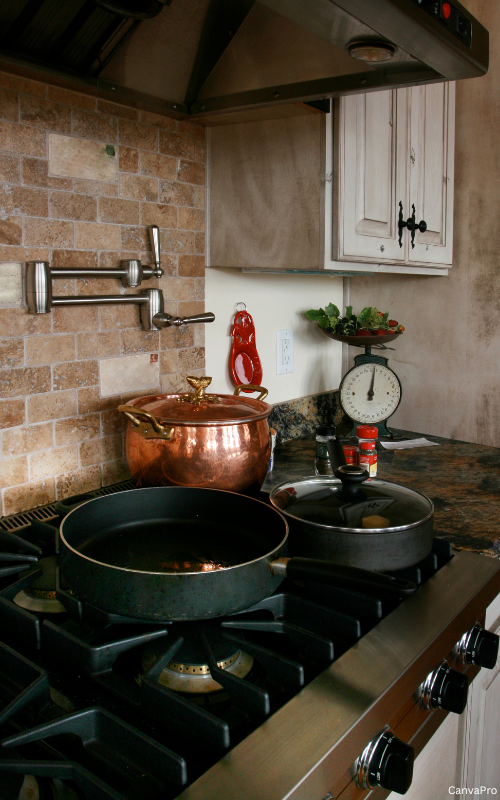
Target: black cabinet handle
column 411, row 224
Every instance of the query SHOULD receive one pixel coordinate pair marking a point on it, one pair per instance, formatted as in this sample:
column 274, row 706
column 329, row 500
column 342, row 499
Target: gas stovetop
column 99, row 706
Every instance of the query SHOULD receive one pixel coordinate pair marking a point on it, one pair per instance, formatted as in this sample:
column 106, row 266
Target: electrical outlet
column 284, row 352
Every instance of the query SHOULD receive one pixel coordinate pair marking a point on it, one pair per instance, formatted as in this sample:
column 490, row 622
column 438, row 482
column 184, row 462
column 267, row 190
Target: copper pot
column 200, row 440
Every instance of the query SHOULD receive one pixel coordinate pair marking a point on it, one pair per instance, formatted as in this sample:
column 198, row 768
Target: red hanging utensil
column 244, row 359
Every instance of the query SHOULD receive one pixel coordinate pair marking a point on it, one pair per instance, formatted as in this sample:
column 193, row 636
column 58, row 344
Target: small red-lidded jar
column 367, row 433
column 367, row 457
column 350, row 452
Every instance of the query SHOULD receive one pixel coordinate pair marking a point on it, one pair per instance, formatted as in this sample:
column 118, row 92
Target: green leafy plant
column 370, row 320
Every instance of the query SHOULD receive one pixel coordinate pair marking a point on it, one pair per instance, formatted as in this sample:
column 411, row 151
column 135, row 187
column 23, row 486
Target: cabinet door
column 431, row 164
column 372, row 165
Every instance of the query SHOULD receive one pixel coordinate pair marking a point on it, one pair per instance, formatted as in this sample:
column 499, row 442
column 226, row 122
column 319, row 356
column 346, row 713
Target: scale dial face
column 370, row 393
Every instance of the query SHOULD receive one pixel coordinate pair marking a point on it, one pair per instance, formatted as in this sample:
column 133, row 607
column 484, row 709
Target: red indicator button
column 446, row 10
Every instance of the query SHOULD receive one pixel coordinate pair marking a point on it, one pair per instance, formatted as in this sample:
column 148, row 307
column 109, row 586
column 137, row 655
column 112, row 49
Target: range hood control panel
column 450, row 18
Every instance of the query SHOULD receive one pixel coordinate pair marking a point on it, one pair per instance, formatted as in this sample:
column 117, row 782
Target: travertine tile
column 177, row 288
column 11, row 353
column 9, row 168
column 13, row 471
column 17, row 322
column 168, row 361
column 96, row 286
column 188, row 309
column 199, row 196
column 98, row 345
column 177, row 241
column 139, row 187
column 24, row 380
column 53, row 462
column 192, row 358
column 128, row 396
column 92, row 125
column 20, row 139
column 98, row 450
column 192, row 219
column 192, row 266
column 19, row 441
column 90, row 400
column 119, row 316
column 30, row 495
column 116, row 110
column 112, row 422
column 134, row 238
column 156, row 214
column 111, row 209
column 9, row 105
column 127, row 373
column 78, row 482
column 11, row 230
column 77, row 429
column 12, row 412
column 148, row 118
column 199, row 288
column 175, row 338
column 74, row 374
column 69, row 205
column 96, row 188
column 191, row 172
column 174, row 144
column 176, row 194
column 199, row 335
column 55, row 405
column 199, row 151
column 190, row 129
column 45, row 114
column 35, row 172
column 22, row 200
column 199, row 243
column 102, row 237
column 159, row 166
column 75, row 318
column 50, row 349
column 134, row 134
column 23, row 85
column 115, row 472
column 174, row 383
column 139, row 341
column 70, row 157
column 85, row 259
column 70, row 98
column 129, row 159
column 49, row 232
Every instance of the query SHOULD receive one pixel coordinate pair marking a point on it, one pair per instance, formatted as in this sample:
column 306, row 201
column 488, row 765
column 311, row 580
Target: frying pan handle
column 343, row 577
column 249, row 387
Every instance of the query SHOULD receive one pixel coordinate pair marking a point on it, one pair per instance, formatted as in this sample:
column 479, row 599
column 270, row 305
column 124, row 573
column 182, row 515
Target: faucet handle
column 154, row 238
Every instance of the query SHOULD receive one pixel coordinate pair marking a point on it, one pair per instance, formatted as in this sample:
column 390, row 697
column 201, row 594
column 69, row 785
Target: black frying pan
column 175, row 553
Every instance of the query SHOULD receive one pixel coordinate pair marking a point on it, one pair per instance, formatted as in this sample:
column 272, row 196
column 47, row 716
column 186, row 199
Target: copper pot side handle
column 157, row 431
column 246, row 386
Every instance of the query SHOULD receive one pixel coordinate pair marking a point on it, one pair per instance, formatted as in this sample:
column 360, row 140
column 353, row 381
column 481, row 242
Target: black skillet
column 175, row 553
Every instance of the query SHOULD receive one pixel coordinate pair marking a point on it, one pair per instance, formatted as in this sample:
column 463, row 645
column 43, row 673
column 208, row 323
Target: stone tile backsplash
column 80, row 179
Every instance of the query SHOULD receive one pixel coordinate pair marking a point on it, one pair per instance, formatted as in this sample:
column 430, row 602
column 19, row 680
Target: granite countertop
column 462, row 480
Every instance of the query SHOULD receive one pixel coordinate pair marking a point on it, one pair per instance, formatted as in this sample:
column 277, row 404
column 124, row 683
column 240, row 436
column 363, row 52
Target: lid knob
column 198, row 396
column 352, row 477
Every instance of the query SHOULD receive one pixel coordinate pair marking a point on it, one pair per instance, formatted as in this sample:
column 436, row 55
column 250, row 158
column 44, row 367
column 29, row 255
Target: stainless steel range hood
column 210, row 59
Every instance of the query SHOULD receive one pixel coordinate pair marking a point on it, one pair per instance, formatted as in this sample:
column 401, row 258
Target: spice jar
column 366, row 433
column 367, row 458
column 350, row 453
column 322, row 464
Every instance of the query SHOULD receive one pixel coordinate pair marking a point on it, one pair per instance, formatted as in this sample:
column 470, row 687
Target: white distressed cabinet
column 393, row 147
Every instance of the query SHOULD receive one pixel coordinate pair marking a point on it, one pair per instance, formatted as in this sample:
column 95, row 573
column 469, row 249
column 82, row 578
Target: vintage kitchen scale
column 371, row 391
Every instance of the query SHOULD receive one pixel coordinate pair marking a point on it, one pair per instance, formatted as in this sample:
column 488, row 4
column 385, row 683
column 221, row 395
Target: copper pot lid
column 199, row 408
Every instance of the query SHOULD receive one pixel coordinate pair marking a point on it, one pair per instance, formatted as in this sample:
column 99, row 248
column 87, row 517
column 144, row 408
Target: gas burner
column 189, row 673
column 40, row 596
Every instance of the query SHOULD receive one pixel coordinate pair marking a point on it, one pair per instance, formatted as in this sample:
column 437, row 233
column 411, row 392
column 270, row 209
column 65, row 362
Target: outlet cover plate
column 284, row 351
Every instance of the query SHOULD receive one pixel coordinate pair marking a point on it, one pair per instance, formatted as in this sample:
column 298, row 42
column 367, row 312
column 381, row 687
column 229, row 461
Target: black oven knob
column 444, row 688
column 479, row 647
column 386, row 762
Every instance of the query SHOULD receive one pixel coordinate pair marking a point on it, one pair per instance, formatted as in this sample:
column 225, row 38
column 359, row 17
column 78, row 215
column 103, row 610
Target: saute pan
column 175, row 553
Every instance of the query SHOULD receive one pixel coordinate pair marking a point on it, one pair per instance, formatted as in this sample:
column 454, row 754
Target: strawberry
column 400, row 329
column 393, row 323
column 380, row 332
column 363, row 332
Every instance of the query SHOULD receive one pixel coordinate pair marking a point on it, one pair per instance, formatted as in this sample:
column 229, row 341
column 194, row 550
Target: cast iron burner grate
column 83, row 699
